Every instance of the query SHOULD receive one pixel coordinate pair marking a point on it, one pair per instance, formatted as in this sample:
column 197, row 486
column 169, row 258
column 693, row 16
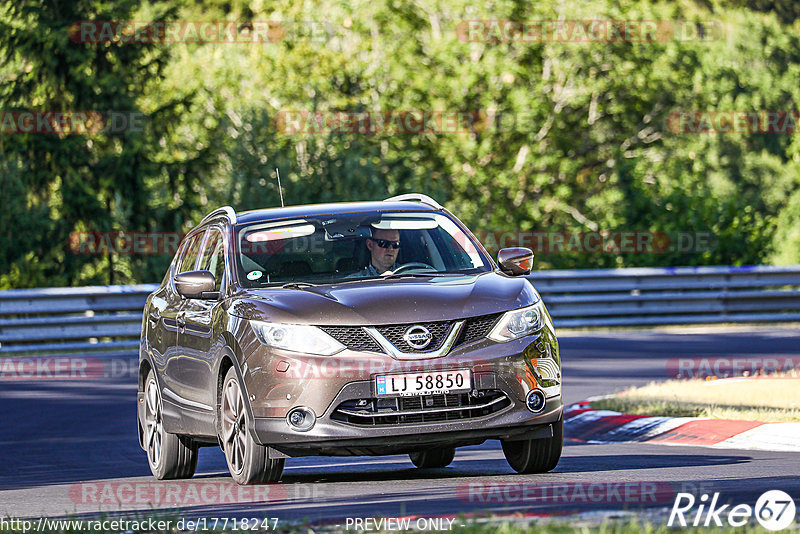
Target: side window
column 189, row 255
column 218, row 265
column 214, row 256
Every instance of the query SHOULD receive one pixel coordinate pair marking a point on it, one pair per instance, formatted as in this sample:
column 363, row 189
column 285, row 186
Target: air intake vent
column 424, row 409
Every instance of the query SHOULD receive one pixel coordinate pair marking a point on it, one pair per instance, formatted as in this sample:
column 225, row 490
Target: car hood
column 375, row 302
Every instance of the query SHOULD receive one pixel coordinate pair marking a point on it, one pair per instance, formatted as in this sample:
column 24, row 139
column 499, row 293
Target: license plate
column 423, row 383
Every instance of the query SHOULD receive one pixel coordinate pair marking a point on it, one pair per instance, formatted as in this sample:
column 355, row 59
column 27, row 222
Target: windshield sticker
column 254, row 275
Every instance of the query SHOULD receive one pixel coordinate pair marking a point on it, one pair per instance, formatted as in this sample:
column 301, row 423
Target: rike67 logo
column 774, row 510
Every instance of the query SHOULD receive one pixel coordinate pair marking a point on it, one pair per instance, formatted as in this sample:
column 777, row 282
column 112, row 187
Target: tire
column 170, row 456
column 535, row 455
column 247, row 461
column 433, row 458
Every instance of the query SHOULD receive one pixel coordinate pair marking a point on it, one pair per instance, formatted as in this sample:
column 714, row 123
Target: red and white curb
column 585, row 424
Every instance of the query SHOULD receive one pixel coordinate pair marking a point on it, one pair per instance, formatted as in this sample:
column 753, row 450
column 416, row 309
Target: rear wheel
column 170, row 456
column 434, row 457
column 535, row 455
column 247, row 461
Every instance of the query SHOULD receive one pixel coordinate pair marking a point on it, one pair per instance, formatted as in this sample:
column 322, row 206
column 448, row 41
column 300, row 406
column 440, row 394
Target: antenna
column 280, row 189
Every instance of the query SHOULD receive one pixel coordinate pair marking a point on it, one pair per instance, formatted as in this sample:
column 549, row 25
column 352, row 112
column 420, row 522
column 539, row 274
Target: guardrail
column 101, row 320
column 676, row 295
column 106, row 320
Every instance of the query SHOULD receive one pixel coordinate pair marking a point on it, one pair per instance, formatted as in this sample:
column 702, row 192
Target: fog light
column 301, row 419
column 535, row 400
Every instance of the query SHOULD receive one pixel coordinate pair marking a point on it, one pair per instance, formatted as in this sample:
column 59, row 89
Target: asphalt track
column 70, row 447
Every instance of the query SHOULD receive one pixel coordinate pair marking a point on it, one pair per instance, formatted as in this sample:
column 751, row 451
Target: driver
column 383, row 247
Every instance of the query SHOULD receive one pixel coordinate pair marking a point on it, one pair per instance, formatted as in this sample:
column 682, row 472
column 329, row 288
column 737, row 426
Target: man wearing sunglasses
column 383, row 247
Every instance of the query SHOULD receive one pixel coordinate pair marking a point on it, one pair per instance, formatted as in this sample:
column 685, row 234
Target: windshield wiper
column 297, row 285
column 395, row 277
column 413, row 275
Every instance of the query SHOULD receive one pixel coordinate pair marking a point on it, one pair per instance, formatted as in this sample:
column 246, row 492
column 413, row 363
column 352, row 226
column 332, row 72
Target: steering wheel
column 413, row 265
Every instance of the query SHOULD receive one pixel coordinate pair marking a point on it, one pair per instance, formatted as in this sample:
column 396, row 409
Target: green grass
column 772, row 398
column 665, row 408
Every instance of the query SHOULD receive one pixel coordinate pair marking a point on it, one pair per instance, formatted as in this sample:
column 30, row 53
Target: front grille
column 356, row 338
column 394, row 334
column 422, row 409
column 477, row 328
column 352, row 337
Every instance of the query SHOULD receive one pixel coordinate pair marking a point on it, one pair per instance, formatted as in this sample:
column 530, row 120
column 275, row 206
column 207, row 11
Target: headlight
column 518, row 323
column 296, row 338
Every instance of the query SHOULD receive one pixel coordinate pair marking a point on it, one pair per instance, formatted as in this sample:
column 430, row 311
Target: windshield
column 323, row 250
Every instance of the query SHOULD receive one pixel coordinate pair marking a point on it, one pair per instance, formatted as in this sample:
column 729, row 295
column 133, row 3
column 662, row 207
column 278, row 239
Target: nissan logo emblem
column 418, row 337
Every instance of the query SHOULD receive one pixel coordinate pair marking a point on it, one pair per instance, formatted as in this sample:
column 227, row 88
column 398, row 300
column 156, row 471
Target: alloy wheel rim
column 154, row 427
column 234, row 426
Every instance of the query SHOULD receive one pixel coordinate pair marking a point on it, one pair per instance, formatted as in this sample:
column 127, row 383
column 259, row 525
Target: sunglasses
column 385, row 243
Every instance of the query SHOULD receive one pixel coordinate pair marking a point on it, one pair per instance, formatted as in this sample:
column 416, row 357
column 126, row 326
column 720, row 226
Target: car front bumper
column 331, row 438
column 277, row 383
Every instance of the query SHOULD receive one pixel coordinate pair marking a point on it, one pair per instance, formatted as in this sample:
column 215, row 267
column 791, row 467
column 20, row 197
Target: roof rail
column 417, row 197
column 224, row 210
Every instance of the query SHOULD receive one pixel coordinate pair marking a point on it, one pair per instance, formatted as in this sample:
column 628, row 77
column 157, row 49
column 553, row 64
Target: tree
column 89, row 181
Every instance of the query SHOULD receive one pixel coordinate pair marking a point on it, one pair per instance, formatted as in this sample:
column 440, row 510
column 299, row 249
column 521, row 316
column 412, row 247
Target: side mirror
column 196, row 285
column 515, row 261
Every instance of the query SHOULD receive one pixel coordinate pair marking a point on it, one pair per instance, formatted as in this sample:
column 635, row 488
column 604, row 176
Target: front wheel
column 247, row 461
column 535, row 455
column 170, row 456
column 434, row 457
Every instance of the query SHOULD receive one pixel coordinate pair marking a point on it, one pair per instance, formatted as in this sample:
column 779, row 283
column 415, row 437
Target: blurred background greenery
column 589, row 149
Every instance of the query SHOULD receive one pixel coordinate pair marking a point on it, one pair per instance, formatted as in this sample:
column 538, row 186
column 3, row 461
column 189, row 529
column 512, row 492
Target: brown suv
column 366, row 328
